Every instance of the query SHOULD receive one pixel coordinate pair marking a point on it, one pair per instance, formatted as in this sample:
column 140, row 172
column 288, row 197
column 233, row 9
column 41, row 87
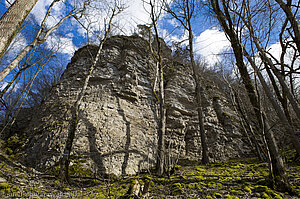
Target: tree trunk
column 162, row 125
column 12, row 20
column 286, row 7
column 36, row 40
column 276, row 106
column 161, row 158
column 65, row 160
column 277, row 173
column 198, row 89
column 282, row 98
column 259, row 150
column 268, row 61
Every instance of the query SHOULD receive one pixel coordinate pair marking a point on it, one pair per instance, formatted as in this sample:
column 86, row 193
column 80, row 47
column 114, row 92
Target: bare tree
column 286, row 7
column 65, row 160
column 40, row 37
column 231, row 29
column 266, row 60
column 12, row 20
column 155, row 11
column 183, row 11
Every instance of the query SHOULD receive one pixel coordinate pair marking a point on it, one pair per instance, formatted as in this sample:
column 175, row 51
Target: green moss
column 15, row 189
column 272, row 193
column 177, row 189
column 77, row 169
column 67, row 189
column 202, row 183
column 200, row 169
column 218, row 195
column 4, row 185
column 177, row 167
column 247, row 189
column 8, row 151
column 160, row 179
column 297, row 192
column 265, row 195
column 236, row 192
column 227, row 196
column 199, row 178
column 194, row 186
column 261, row 181
column 260, row 188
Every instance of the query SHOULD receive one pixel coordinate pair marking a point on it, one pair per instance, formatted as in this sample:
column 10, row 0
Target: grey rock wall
column 117, row 130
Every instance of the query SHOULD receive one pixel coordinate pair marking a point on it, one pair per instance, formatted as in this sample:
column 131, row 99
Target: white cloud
column 18, row 43
column 133, row 15
column 182, row 38
column 40, row 9
column 125, row 22
column 210, row 44
column 61, row 44
column 4, row 84
column 275, row 50
column 9, row 2
column 173, row 22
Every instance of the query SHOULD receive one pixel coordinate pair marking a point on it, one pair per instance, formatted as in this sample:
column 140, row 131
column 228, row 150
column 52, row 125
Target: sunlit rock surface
column 117, row 130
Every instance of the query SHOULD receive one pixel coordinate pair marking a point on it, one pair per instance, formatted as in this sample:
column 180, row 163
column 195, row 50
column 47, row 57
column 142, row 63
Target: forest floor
column 244, row 178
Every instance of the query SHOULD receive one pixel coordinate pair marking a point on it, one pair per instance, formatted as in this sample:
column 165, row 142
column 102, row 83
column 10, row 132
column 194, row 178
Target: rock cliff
column 117, row 131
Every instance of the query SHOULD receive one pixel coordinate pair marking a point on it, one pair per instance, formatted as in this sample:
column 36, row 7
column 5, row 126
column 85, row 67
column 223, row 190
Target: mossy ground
column 231, row 179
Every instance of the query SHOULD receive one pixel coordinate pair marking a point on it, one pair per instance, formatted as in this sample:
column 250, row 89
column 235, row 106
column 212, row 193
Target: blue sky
column 209, row 41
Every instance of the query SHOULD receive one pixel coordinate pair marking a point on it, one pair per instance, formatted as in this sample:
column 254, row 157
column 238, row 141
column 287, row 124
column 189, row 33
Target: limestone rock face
column 117, row 130
column 117, row 126
column 223, row 134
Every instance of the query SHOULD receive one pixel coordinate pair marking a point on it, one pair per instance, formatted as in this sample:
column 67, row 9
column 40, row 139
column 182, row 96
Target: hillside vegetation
column 245, row 178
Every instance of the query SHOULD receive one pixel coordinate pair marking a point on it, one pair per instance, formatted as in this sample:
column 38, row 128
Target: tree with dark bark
column 246, row 18
column 158, row 56
column 183, row 11
column 277, row 169
column 75, row 110
column 286, row 7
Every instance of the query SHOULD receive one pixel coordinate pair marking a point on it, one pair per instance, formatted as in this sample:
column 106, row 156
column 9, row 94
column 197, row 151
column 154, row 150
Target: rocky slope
column 117, row 131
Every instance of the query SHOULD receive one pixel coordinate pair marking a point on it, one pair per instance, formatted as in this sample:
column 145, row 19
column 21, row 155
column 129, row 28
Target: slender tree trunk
column 198, row 90
column 162, row 125
column 260, row 152
column 285, row 88
column 12, row 20
column 158, row 55
column 276, row 106
column 286, row 7
column 10, row 83
column 278, row 173
column 75, row 110
column 273, row 101
column 36, row 40
column 269, row 62
column 282, row 98
column 205, row 158
column 280, row 114
column 244, row 122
